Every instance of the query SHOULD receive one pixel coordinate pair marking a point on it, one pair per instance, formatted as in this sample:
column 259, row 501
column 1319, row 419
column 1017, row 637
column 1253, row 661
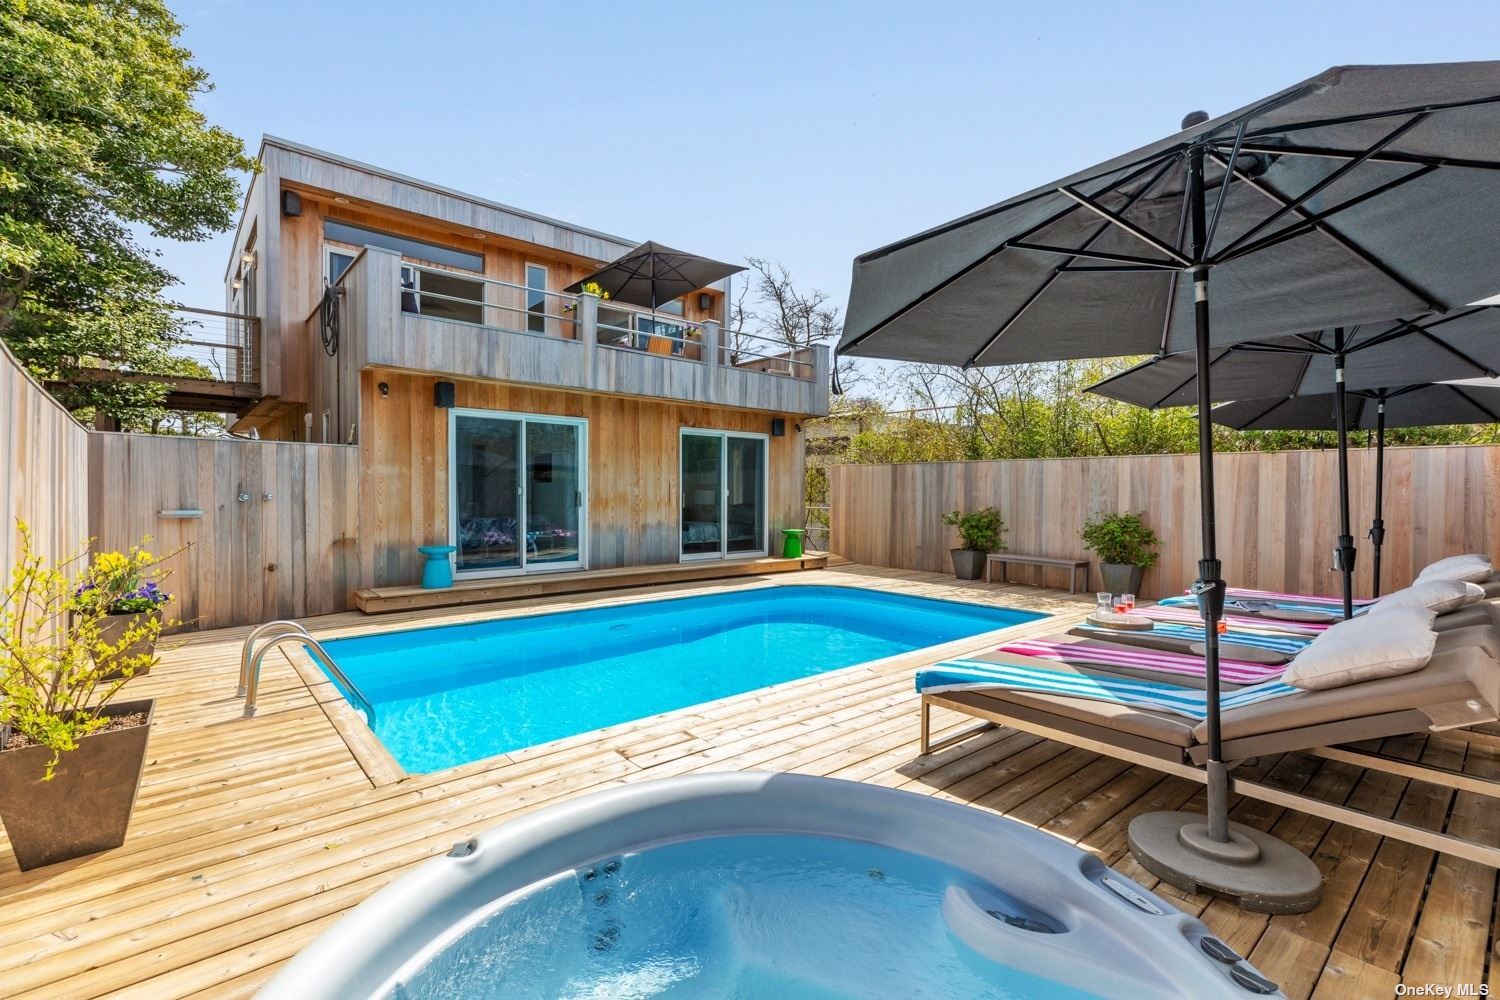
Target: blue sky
column 801, row 132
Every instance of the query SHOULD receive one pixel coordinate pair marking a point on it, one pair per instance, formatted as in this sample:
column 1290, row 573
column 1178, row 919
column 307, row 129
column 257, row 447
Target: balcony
column 401, row 315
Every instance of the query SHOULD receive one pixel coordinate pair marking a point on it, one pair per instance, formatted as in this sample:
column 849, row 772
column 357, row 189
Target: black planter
column 1121, row 578
column 968, row 564
column 86, row 806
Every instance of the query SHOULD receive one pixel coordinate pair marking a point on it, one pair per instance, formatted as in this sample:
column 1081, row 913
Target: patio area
column 251, row 837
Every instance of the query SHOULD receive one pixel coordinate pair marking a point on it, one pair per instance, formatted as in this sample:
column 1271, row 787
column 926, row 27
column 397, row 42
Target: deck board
column 252, row 836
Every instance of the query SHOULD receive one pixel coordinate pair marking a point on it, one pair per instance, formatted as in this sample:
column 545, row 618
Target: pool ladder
column 273, row 634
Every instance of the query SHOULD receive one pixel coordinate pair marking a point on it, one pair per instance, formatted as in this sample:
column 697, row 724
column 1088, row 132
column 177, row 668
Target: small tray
column 1123, row 623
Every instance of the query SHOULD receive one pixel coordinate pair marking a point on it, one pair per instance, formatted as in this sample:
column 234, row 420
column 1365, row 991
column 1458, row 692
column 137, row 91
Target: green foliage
column 1122, row 539
column 55, row 662
column 980, row 530
column 99, row 139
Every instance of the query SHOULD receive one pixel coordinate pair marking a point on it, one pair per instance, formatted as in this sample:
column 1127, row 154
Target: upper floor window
column 441, row 294
column 406, row 246
column 336, row 263
column 536, row 298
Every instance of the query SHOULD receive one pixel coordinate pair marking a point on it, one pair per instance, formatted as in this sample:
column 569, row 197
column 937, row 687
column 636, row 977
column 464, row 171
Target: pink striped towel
column 1234, row 671
column 1264, row 622
column 1274, row 595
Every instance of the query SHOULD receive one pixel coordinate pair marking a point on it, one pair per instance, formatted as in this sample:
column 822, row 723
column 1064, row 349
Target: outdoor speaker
column 442, row 395
column 705, row 301
column 291, row 203
column 778, row 427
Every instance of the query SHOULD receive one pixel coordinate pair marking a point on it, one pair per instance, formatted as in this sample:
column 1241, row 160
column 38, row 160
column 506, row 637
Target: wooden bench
column 1071, row 565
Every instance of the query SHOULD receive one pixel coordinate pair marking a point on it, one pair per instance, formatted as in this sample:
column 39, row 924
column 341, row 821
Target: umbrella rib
column 1340, row 239
column 1326, row 182
column 1494, row 417
column 1366, row 116
column 1125, row 224
column 1403, row 159
column 1234, row 155
column 1310, row 221
column 1460, row 355
column 1186, row 382
column 1140, row 262
column 968, row 268
column 1167, row 315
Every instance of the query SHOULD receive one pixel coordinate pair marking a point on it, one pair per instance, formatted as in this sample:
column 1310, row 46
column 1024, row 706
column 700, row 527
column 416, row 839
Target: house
column 534, row 429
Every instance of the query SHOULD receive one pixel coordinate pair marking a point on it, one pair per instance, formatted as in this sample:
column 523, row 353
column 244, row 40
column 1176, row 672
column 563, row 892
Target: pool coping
column 382, row 768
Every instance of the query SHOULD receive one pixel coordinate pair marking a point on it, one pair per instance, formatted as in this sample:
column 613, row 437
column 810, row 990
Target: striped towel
column 1179, row 613
column 1312, row 602
column 962, row 675
column 1279, row 642
column 1234, row 671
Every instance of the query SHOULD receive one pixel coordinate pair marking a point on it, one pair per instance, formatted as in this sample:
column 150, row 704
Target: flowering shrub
column 594, row 288
column 126, row 582
column 57, row 672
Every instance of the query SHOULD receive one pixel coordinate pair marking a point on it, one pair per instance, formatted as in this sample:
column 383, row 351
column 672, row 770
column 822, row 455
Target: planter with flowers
column 71, row 754
column 692, row 343
column 128, row 585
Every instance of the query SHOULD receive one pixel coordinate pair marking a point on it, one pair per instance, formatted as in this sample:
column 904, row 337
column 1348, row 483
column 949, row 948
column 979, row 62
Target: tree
column 99, row 134
column 783, row 313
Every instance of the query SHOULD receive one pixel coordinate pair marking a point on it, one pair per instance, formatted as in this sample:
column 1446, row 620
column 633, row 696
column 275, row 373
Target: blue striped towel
column 1278, row 642
column 1277, row 603
column 962, row 675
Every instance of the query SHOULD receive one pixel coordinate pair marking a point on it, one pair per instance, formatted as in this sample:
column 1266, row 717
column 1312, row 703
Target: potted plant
column 692, row 344
column 127, row 585
column 71, row 756
column 981, row 532
column 1126, row 549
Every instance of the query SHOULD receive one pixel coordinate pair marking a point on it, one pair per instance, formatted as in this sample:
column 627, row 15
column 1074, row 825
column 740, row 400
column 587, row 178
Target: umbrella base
column 1256, row 870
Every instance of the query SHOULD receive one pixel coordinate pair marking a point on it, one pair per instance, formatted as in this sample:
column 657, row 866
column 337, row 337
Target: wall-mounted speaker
column 778, row 427
column 705, row 301
column 443, row 395
column 291, row 203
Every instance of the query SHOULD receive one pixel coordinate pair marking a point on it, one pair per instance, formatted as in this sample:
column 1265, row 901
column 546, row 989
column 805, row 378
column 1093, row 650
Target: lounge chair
column 1261, row 645
column 1458, row 687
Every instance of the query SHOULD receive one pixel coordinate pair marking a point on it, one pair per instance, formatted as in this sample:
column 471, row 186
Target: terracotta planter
column 968, row 564
column 86, row 806
column 113, row 628
column 1121, row 578
column 692, row 350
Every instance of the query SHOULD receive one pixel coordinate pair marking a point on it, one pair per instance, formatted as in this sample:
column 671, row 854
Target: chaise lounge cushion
column 1472, row 567
column 1396, row 641
column 1440, row 596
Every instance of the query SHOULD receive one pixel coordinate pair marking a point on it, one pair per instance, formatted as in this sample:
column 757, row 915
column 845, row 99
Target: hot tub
column 753, row 885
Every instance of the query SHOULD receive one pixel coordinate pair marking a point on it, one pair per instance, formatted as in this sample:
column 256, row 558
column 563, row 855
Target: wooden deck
column 377, row 600
column 252, row 836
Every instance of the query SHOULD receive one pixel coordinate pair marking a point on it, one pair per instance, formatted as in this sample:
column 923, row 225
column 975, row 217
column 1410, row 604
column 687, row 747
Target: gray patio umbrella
column 1426, row 405
column 1461, row 344
column 652, row 274
column 1364, row 193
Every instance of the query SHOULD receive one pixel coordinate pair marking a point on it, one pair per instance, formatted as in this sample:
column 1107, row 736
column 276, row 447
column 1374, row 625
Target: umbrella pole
column 1377, row 527
column 1343, row 555
column 1181, row 848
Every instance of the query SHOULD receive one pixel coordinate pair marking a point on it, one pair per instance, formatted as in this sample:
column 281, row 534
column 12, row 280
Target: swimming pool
column 452, row 694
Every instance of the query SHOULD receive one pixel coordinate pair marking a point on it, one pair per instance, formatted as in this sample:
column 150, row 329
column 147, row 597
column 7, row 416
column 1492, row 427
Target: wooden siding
column 43, row 469
column 1276, row 511
column 633, row 469
column 251, row 561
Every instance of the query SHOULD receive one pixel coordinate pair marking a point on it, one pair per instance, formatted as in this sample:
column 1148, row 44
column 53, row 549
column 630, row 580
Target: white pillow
column 1472, row 567
column 1366, row 648
column 1436, row 595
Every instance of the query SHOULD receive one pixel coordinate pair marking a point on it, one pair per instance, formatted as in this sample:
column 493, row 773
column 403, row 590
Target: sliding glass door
column 723, row 500
column 517, row 485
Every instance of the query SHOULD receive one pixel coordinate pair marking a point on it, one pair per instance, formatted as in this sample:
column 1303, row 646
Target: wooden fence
column 1277, row 511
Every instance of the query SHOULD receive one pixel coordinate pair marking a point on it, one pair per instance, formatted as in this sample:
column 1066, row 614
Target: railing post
column 822, row 377
column 588, row 334
column 711, row 333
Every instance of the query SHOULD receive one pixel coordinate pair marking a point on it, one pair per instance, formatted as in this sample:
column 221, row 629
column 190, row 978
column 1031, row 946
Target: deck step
column 375, row 600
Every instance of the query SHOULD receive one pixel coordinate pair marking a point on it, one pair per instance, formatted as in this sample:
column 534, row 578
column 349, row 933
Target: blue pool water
column 743, row 918
column 446, row 696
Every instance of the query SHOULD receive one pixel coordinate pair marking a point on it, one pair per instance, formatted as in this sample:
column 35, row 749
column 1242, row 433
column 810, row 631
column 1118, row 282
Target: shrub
column 1122, row 539
column 981, row 530
column 55, row 667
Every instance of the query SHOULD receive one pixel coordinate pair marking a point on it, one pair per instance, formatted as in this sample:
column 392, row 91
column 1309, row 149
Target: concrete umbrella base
column 1256, row 870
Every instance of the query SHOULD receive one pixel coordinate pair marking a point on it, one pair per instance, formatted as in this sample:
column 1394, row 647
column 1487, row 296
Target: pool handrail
column 274, row 634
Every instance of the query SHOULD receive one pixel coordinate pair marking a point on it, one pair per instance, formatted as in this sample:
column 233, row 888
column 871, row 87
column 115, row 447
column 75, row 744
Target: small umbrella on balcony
column 1361, row 194
column 1464, row 343
column 1427, row 405
column 652, row 275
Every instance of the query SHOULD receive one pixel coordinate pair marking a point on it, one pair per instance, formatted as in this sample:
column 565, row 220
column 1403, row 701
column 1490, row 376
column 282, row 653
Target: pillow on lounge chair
column 1366, row 648
column 1472, row 567
column 1440, row 596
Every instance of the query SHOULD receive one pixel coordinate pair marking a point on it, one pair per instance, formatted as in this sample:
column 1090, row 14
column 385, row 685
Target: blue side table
column 437, row 572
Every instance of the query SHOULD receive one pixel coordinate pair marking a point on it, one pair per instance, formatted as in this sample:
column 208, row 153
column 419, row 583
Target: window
column 336, row 261
column 723, row 480
column 536, row 298
column 442, row 295
column 343, row 232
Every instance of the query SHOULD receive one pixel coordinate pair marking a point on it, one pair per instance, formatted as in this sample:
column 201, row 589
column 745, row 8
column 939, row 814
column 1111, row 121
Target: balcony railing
column 468, row 298
column 224, row 345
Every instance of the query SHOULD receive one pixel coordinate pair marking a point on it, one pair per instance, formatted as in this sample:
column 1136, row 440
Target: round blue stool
column 437, row 572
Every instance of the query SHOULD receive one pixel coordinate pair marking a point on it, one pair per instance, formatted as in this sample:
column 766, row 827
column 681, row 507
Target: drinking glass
column 1129, row 600
column 1106, row 607
column 1120, row 605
